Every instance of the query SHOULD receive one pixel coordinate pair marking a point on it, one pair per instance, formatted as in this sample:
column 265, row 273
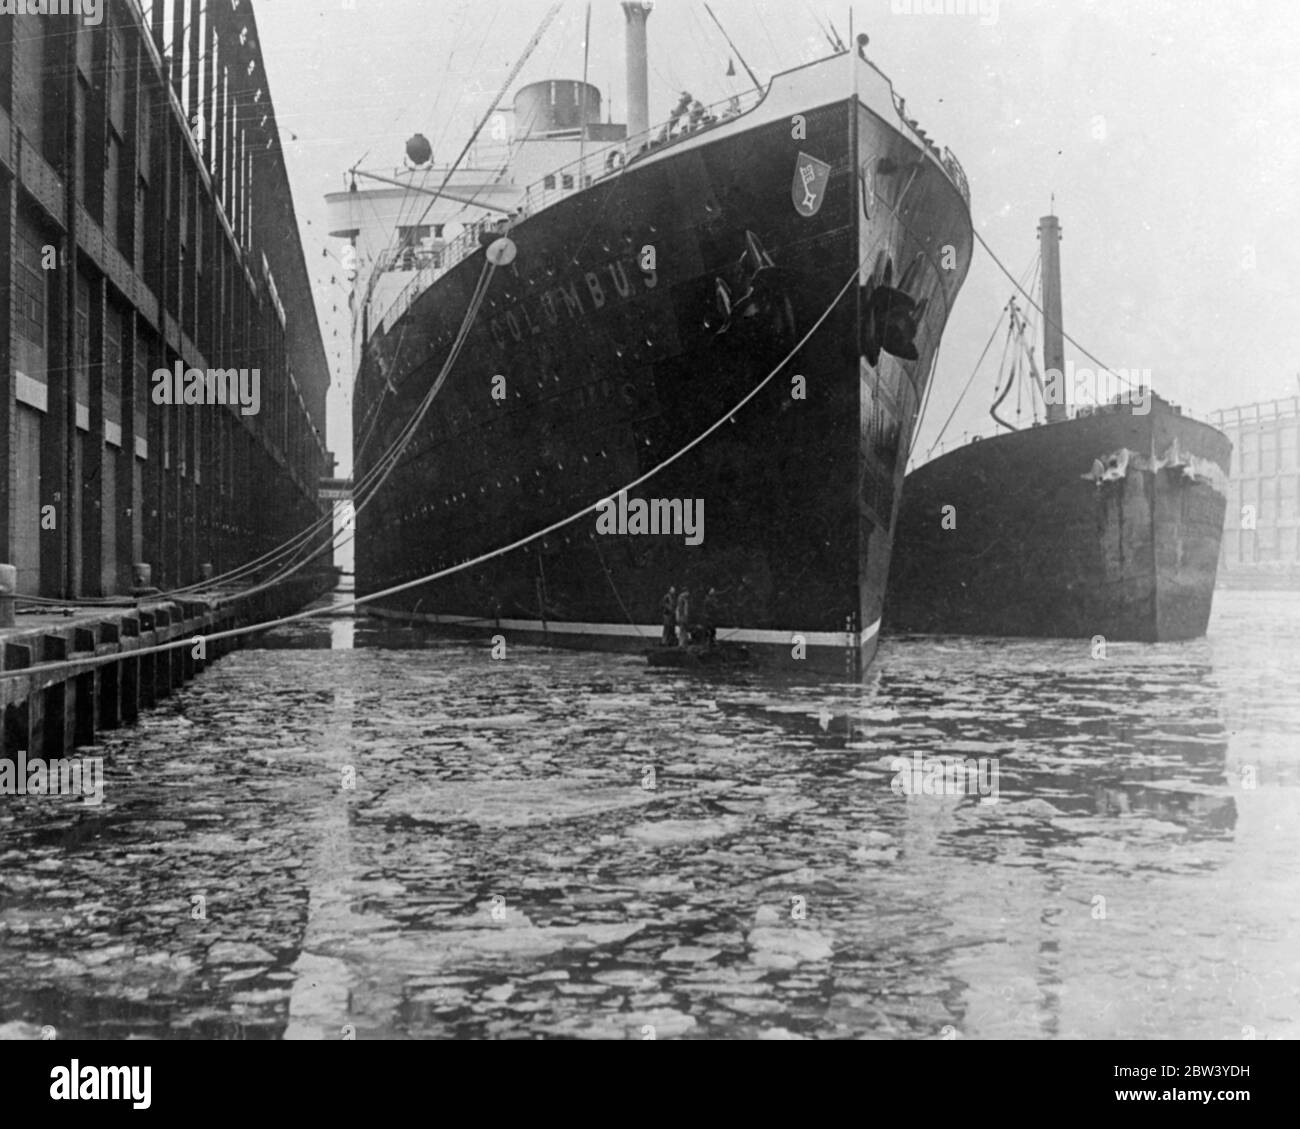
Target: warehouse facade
column 147, row 222
column 1261, row 534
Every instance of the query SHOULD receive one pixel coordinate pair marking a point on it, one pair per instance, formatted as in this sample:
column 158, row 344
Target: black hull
column 1041, row 549
column 610, row 369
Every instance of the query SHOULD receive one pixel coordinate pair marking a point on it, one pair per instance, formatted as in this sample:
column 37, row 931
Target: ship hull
column 585, row 370
column 1036, row 543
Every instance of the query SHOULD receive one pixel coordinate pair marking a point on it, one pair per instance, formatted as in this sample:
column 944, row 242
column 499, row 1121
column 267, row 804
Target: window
column 113, row 366
column 1231, row 546
column 114, row 228
column 1250, row 495
column 143, row 389
column 118, row 68
column 1268, row 450
column 1288, row 507
column 83, row 184
column 1267, row 502
column 141, row 214
column 438, row 230
column 549, row 182
column 81, row 359
column 1287, row 446
column 29, row 285
column 1266, row 539
column 566, row 180
column 412, row 236
column 1250, row 452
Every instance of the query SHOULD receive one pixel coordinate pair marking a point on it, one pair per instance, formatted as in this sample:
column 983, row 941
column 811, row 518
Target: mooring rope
column 293, row 545
column 89, row 662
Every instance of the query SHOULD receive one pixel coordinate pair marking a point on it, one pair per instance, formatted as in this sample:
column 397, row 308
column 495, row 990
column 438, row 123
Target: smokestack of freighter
column 1049, row 240
column 607, row 362
column 1105, row 523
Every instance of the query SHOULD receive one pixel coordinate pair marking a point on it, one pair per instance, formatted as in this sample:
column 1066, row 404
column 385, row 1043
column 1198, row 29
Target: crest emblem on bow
column 808, row 190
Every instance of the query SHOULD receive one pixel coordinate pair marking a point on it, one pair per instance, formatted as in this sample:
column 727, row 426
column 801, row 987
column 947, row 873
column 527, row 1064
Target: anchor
column 753, row 277
column 891, row 316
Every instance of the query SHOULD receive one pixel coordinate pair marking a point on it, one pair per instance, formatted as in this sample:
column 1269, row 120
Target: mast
column 637, row 13
column 1049, row 236
column 586, row 116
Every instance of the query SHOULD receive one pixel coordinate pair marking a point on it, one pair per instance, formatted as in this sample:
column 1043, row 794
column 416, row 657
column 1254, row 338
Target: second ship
column 1104, row 523
column 651, row 278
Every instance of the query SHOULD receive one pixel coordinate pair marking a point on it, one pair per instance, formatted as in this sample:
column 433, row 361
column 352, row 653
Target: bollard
column 8, row 590
column 142, row 579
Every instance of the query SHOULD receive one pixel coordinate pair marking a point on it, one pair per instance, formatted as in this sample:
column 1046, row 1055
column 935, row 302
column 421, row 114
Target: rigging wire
column 394, row 244
column 1046, row 320
column 386, row 466
column 762, row 22
column 552, row 12
column 970, row 379
column 1011, row 370
column 411, row 198
column 984, row 353
column 835, row 46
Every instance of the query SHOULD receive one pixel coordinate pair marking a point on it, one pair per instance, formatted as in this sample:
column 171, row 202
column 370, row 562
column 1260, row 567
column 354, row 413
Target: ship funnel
column 1049, row 237
column 637, row 12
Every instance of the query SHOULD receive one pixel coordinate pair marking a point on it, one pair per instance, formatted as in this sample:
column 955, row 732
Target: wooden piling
column 52, row 714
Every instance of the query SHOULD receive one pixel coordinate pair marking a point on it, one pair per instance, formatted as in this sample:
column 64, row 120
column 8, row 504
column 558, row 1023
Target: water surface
column 393, row 835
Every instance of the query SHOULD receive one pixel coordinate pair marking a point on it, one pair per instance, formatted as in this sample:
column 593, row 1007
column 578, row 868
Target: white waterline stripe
column 837, row 639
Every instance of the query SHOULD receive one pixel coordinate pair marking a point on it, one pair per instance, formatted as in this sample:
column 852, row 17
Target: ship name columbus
column 583, row 295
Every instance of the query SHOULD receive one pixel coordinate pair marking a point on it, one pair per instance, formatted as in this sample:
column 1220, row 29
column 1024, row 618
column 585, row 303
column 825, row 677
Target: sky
column 1167, row 133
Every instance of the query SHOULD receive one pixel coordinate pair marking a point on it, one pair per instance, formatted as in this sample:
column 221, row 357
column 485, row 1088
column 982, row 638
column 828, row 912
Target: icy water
column 372, row 832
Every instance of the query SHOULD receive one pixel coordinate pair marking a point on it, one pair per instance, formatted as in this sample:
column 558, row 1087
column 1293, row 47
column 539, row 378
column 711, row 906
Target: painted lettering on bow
column 578, row 297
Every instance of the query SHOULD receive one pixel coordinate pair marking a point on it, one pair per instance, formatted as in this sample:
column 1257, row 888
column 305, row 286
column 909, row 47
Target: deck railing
column 608, row 160
column 597, row 164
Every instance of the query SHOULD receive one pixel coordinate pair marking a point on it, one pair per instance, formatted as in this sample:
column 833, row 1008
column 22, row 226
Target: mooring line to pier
column 295, row 544
column 88, row 663
column 388, row 462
